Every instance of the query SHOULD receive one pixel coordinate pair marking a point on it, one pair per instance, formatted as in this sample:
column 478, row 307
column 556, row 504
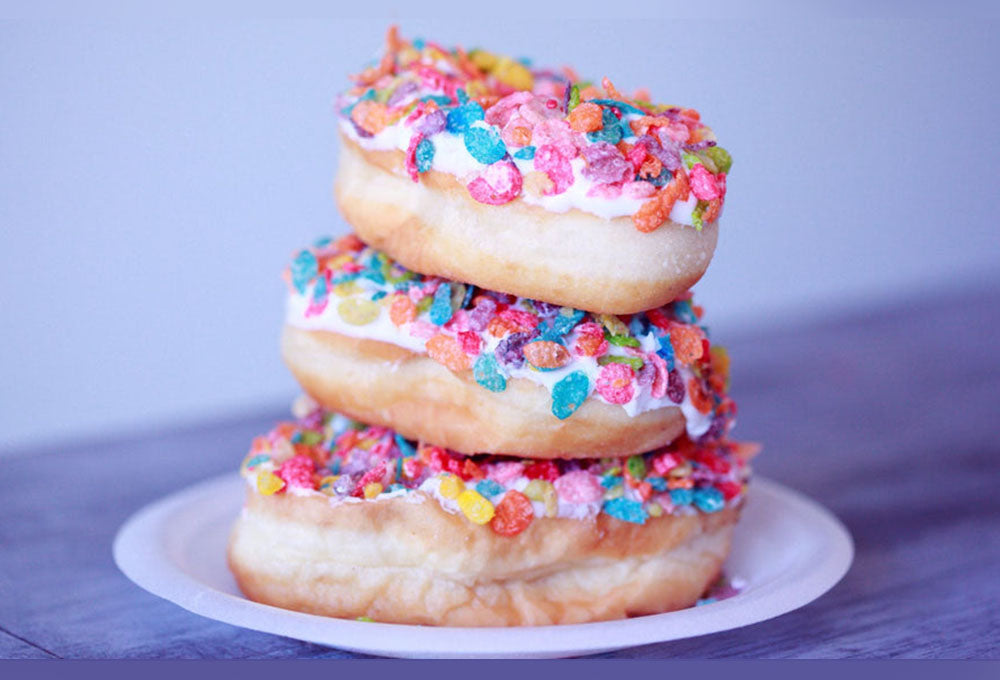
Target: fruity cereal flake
column 654, row 359
column 507, row 130
column 323, row 453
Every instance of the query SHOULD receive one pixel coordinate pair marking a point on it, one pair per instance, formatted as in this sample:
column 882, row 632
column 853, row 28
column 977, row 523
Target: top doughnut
column 483, row 169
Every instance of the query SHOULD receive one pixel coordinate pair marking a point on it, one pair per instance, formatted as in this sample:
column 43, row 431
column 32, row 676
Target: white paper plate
column 787, row 549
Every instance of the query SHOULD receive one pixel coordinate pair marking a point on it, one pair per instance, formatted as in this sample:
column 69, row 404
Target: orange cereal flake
column 546, row 354
column 586, row 118
column 446, row 350
column 402, row 310
column 371, row 116
column 686, row 341
column 699, row 397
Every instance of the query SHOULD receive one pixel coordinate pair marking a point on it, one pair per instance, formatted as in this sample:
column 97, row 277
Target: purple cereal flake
column 545, row 309
column 401, row 93
column 503, row 298
column 344, row 484
column 480, row 315
column 675, row 387
column 361, row 132
column 433, row 123
column 360, row 461
column 698, row 146
column 510, row 351
column 664, row 150
column 646, row 374
column 605, row 164
column 716, row 430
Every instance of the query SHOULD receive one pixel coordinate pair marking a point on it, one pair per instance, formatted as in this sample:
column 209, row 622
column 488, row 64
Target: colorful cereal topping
column 347, row 461
column 509, row 130
column 658, row 358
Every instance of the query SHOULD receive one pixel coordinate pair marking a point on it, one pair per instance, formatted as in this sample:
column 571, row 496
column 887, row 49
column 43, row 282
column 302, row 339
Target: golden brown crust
column 407, row 560
column 572, row 258
column 388, row 385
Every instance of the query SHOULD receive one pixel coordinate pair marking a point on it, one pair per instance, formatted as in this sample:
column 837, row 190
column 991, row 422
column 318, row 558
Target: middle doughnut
column 475, row 370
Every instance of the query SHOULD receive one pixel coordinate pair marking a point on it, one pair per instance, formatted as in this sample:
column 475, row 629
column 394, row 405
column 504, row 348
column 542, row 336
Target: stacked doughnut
column 512, row 413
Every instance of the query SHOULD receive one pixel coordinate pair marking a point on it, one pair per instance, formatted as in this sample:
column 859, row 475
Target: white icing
column 383, row 330
column 451, row 157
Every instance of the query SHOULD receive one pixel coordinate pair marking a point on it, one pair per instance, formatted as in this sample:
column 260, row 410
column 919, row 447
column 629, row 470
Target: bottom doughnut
column 411, row 561
column 349, row 520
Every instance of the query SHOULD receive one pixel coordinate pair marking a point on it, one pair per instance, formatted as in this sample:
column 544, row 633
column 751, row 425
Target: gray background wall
column 155, row 176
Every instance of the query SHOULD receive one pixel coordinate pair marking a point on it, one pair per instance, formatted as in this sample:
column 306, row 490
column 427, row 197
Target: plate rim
column 140, row 552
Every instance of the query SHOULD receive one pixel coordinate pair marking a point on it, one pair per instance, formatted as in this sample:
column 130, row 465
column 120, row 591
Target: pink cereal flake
column 579, row 486
column 459, row 321
column 550, row 160
column 557, row 133
column 411, row 156
column 504, row 472
column 703, row 184
column 498, row 184
column 676, row 131
column 661, row 378
column 381, row 448
column 536, row 110
column 297, row 471
column 664, row 463
column 500, row 113
column 470, row 342
column 615, row 383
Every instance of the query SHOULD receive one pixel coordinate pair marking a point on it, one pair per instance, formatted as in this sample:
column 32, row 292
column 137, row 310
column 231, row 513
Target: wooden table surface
column 885, row 417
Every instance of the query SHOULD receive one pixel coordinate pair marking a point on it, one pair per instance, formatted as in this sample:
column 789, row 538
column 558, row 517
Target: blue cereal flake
column 439, row 99
column 626, row 510
column 485, row 145
column 486, row 371
column 320, row 296
column 666, row 351
column 257, row 460
column 684, row 312
column 487, row 488
column 569, row 394
column 441, row 312
column 424, row 155
column 638, row 326
column 681, row 496
column 378, row 295
column 525, row 153
column 611, row 133
column 322, row 242
column 611, row 481
column 304, row 268
column 662, row 179
column 405, row 449
column 565, row 320
column 658, row 483
column 462, row 117
column 621, row 106
column 467, row 298
column 709, row 499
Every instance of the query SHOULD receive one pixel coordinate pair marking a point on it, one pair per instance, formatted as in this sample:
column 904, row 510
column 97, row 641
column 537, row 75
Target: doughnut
column 473, row 167
column 474, row 370
column 348, row 520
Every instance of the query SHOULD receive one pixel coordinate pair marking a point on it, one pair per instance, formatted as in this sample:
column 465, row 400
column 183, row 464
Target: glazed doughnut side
column 388, row 385
column 407, row 560
column 572, row 258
